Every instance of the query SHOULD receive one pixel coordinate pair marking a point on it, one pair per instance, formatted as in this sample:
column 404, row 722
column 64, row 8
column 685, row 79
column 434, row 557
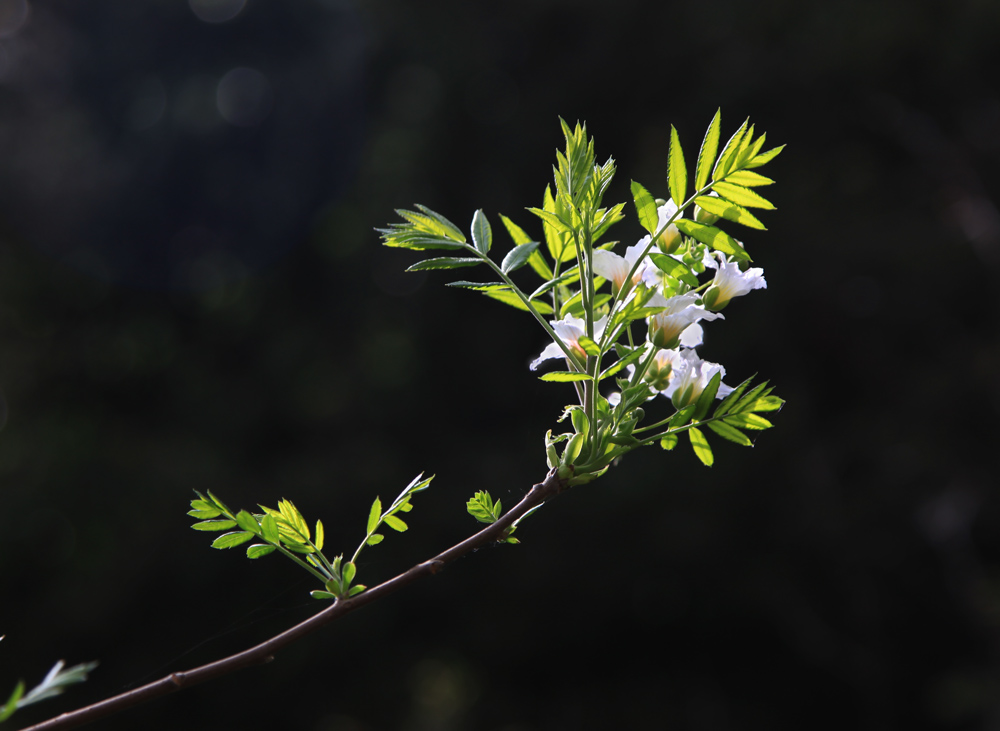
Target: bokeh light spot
column 216, row 11
column 243, row 97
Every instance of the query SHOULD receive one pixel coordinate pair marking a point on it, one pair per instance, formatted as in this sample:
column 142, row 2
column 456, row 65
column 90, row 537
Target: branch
column 265, row 651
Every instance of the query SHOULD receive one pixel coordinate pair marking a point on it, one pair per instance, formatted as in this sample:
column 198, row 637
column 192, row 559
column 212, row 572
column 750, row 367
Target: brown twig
column 265, row 651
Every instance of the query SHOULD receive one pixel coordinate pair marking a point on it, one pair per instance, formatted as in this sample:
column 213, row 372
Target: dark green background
column 191, row 304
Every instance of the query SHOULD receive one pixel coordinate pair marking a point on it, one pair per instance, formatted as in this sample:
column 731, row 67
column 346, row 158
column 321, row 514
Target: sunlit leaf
column 259, row 549
column 482, row 234
column 518, row 257
column 714, row 237
column 444, row 262
column 395, row 523
column 374, row 515
column 564, row 376
column 374, row 539
column 706, row 155
column 748, row 179
column 728, row 210
column 231, row 540
column 215, row 525
column 645, row 207
column 701, row 447
column 729, row 432
column 765, row 157
column 748, row 420
column 742, row 196
column 676, row 169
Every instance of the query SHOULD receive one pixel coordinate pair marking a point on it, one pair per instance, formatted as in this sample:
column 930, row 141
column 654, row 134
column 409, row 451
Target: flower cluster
column 670, row 365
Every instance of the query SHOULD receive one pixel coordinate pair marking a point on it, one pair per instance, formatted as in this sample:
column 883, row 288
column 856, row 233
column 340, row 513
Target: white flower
column 662, row 369
column 569, row 330
column 666, row 328
column 730, row 282
column 609, row 265
column 690, row 377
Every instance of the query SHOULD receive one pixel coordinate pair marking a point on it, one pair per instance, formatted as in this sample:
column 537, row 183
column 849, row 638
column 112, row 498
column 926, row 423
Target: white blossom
column 667, row 327
column 690, row 377
column 569, row 330
column 730, row 282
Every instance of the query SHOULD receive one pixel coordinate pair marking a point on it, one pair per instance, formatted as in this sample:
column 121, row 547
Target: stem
column 265, row 651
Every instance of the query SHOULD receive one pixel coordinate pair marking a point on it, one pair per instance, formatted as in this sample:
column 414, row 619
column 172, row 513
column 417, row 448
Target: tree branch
column 265, row 651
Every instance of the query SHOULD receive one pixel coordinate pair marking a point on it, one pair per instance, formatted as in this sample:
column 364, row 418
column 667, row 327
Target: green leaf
column 374, row 539
column 518, row 257
column 516, row 232
column 748, row 421
column 645, row 207
column 269, row 526
column 731, row 433
column 439, row 224
column 536, row 261
column 676, row 169
column 729, row 152
column 356, row 590
column 766, row 403
column 215, row 525
column 588, row 345
column 748, row 179
column 482, row 234
column 231, row 540
column 481, row 507
column 444, row 262
column 706, row 155
column 729, row 210
column 8, row 708
column 765, row 157
column 317, row 594
column 203, row 514
column 742, row 196
column 669, row 441
column 564, row 376
column 259, row 550
column 621, row 363
column 749, row 398
column 674, row 268
column 294, row 518
column 706, row 397
column 700, row 446
column 714, row 237
column 480, row 286
column 320, row 535
column 247, row 522
column 395, row 523
column 728, row 401
column 349, row 572
column 219, row 504
column 374, row 516
column 509, row 298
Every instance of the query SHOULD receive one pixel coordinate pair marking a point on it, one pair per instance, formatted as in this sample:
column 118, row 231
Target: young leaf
column 317, row 594
column 204, row 514
column 482, row 234
column 706, row 155
column 564, row 376
column 700, row 446
column 439, row 224
column 247, row 522
column 349, row 572
column 320, row 535
column 765, row 157
column 669, row 441
column 258, row 550
column 730, row 150
column 536, row 261
column 356, row 590
column 395, row 523
column 748, row 179
column 742, row 196
column 729, row 210
column 714, row 237
column 374, row 539
column 748, row 421
column 269, row 527
column 518, row 257
column 374, row 515
column 676, row 169
column 231, row 540
column 645, row 207
column 215, row 525
column 729, row 432
column 444, row 262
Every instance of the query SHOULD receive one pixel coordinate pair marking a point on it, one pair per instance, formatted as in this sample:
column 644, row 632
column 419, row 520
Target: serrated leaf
column 676, row 169
column 728, row 152
column 731, row 399
column 701, row 448
column 706, row 397
column 269, row 528
column 645, row 208
column 726, row 431
column 668, row 441
column 748, row 179
column 374, row 539
column 482, row 234
column 433, row 222
column 320, row 535
column 706, row 155
column 518, row 257
column 516, row 232
column 564, row 376
column 231, row 540
column 729, row 210
column 215, row 525
column 765, row 157
column 748, row 421
column 742, row 196
column 294, row 518
column 749, row 398
column 395, row 523
column 766, row 403
column 374, row 515
column 247, row 522
column 714, row 237
column 258, row 550
column 444, row 262
column 510, row 298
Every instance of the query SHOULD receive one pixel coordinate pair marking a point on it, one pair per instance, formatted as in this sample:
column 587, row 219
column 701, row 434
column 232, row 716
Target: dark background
column 192, row 296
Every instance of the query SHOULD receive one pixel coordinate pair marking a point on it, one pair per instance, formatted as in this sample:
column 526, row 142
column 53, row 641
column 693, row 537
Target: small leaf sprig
column 658, row 281
column 53, row 684
column 285, row 530
column 482, row 508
